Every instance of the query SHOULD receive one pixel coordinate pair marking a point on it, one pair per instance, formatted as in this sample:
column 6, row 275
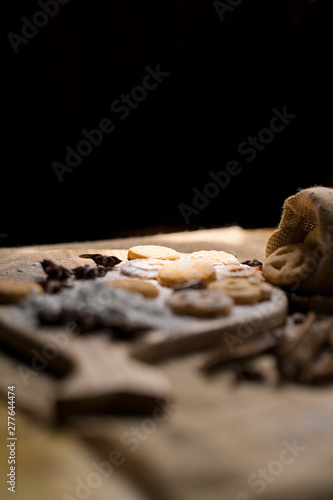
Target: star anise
column 108, row 261
column 89, row 272
column 53, row 285
column 54, row 271
column 253, row 263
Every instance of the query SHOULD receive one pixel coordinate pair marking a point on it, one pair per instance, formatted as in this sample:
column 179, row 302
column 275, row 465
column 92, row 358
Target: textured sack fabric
column 307, row 217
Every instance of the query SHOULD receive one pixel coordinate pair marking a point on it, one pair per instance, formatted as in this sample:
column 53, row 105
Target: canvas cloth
column 307, row 210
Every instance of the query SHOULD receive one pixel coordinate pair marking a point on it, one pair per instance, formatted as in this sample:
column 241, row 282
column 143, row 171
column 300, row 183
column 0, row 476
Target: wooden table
column 215, row 440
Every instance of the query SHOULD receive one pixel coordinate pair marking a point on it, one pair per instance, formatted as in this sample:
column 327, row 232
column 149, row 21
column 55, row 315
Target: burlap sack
column 307, row 219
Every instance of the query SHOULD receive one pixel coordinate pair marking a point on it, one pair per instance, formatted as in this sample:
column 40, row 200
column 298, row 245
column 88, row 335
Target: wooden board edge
column 205, row 336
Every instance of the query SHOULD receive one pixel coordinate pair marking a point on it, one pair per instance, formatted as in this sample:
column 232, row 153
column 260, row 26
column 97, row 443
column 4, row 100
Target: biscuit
column 200, row 303
column 187, row 269
column 142, row 268
column 287, row 265
column 146, row 289
column 13, row 292
column 266, row 290
column 215, row 257
column 235, row 271
column 243, row 291
column 152, row 252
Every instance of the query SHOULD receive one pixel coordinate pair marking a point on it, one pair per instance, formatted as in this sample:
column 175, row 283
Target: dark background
column 225, row 79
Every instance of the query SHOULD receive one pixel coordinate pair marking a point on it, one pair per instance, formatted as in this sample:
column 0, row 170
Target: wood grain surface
column 245, row 243
column 213, row 439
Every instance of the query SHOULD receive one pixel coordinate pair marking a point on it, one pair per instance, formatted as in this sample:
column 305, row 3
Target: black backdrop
column 222, row 70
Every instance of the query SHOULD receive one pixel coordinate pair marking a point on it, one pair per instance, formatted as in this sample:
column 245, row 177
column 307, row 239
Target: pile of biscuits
column 206, row 283
column 203, row 283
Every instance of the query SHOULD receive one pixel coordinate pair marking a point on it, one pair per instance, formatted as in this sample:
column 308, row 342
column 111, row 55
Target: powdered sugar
column 142, row 268
column 95, row 303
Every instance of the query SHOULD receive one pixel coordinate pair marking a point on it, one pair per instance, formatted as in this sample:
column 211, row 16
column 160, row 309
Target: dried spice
column 222, row 356
column 302, row 350
column 308, row 358
column 244, row 371
column 322, row 368
column 321, row 304
column 295, row 327
column 54, row 271
column 89, row 272
column 57, row 275
column 108, row 261
column 298, row 318
column 53, row 286
column 253, row 263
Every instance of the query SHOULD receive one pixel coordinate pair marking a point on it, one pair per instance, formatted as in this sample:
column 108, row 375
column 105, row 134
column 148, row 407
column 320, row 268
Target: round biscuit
column 142, row 268
column 185, row 270
column 13, row 292
column 287, row 265
column 200, row 303
column 148, row 290
column 152, row 252
column 216, row 257
column 242, row 290
column 235, row 271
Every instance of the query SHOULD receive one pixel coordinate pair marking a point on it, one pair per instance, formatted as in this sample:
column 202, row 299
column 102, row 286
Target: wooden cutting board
column 91, row 373
column 25, row 266
column 245, row 320
column 103, row 376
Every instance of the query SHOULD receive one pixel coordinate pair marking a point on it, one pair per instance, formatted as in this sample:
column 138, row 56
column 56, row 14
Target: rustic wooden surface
column 208, row 443
column 246, row 244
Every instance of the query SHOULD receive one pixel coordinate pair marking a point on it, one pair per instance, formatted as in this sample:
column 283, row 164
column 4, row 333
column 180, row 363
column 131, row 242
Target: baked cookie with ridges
column 142, row 268
column 146, row 289
column 215, row 257
column 235, row 271
column 185, row 270
column 200, row 303
column 152, row 252
column 288, row 265
column 242, row 290
column 13, row 292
